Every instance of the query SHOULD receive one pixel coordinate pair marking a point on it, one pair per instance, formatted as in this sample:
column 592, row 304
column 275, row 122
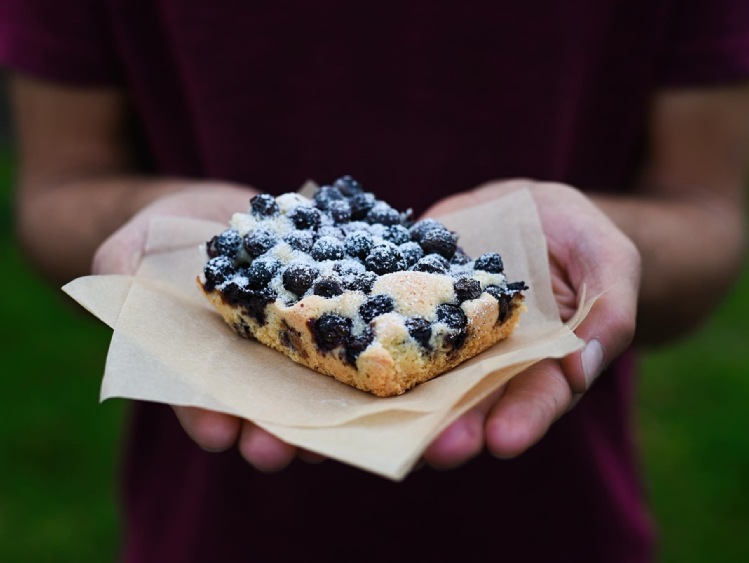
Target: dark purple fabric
column 417, row 100
column 573, row 498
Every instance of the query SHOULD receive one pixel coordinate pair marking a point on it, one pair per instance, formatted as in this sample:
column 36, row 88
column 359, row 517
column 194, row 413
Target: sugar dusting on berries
column 359, row 257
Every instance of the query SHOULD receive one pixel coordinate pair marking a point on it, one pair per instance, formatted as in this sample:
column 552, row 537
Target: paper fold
column 168, row 345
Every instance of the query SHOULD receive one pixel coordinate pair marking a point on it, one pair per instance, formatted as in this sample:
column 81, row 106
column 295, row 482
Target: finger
column 607, row 331
column 482, row 194
column 262, row 450
column 608, row 264
column 121, row 253
column 212, row 431
column 532, row 401
column 463, row 439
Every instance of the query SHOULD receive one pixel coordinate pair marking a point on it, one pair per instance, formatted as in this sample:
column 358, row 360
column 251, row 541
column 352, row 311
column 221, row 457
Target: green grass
column 59, row 445
column 693, row 423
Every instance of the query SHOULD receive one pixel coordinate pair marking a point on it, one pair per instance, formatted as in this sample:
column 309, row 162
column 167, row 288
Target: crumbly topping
column 365, row 268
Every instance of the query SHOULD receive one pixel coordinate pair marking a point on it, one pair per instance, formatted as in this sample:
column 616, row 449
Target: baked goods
column 347, row 285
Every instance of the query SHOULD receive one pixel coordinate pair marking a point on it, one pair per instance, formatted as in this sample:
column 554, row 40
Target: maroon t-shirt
column 417, row 100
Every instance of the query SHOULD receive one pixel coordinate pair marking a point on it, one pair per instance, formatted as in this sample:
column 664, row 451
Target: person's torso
column 416, row 99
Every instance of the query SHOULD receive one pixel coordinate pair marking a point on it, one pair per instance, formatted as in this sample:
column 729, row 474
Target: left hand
column 585, row 249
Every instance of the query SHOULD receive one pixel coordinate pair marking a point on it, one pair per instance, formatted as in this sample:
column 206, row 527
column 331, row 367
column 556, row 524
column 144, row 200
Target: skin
column 663, row 256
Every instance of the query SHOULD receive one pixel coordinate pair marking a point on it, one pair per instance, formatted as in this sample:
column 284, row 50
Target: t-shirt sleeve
column 708, row 43
column 61, row 40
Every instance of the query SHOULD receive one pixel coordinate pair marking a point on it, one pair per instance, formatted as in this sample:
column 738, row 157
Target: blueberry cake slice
column 347, row 285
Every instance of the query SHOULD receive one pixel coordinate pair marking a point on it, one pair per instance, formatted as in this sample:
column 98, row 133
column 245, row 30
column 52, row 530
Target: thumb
column 606, row 331
column 122, row 251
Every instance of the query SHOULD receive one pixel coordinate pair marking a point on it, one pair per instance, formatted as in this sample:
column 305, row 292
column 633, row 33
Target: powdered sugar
column 350, row 254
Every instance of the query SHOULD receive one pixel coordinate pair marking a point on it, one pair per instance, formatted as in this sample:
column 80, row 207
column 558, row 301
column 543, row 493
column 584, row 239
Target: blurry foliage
column 59, row 444
column 693, row 421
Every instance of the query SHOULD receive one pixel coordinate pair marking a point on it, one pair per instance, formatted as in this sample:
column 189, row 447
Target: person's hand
column 588, row 249
column 121, row 254
column 585, row 249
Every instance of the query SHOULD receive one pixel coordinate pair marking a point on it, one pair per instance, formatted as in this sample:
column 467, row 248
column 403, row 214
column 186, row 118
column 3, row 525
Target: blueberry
column 327, row 287
column 340, row 211
column 515, row 287
column 346, row 268
column 440, row 241
column 234, row 292
column 355, row 226
column 455, row 339
column 349, row 272
column 433, row 264
column 460, row 258
column 495, row 291
column 325, row 195
column 360, row 204
column 467, row 289
column 252, row 301
column 420, row 330
column 375, row 306
column 331, row 231
column 362, row 282
column 489, row 262
column 255, row 305
column 298, row 278
column 407, row 218
column 452, row 315
column 357, row 345
column 348, row 186
column 262, row 270
column 264, row 205
column 300, row 240
column 359, row 244
column 227, row 243
column 259, row 242
column 411, row 252
column 330, row 331
column 503, row 299
column 385, row 259
column 305, row 217
column 382, row 214
column 327, row 248
column 217, row 270
column 397, row 234
column 420, row 228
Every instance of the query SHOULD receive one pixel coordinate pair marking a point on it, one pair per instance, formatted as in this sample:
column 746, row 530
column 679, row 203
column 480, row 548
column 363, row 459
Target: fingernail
column 592, row 358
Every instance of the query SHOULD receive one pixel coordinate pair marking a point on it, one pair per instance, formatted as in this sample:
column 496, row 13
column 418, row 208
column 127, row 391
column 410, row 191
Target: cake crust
column 392, row 365
column 350, row 287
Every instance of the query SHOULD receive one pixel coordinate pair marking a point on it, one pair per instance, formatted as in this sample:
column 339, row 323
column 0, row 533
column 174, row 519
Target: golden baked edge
column 392, row 364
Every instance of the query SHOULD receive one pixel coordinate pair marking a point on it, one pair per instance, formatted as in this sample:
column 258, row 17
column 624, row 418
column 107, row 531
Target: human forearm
column 687, row 215
column 692, row 250
column 62, row 225
column 79, row 178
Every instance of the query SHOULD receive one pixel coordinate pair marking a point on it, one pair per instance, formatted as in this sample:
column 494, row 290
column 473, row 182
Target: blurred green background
column 59, row 446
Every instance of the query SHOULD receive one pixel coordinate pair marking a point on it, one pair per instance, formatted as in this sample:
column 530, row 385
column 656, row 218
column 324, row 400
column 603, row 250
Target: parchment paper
column 170, row 346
